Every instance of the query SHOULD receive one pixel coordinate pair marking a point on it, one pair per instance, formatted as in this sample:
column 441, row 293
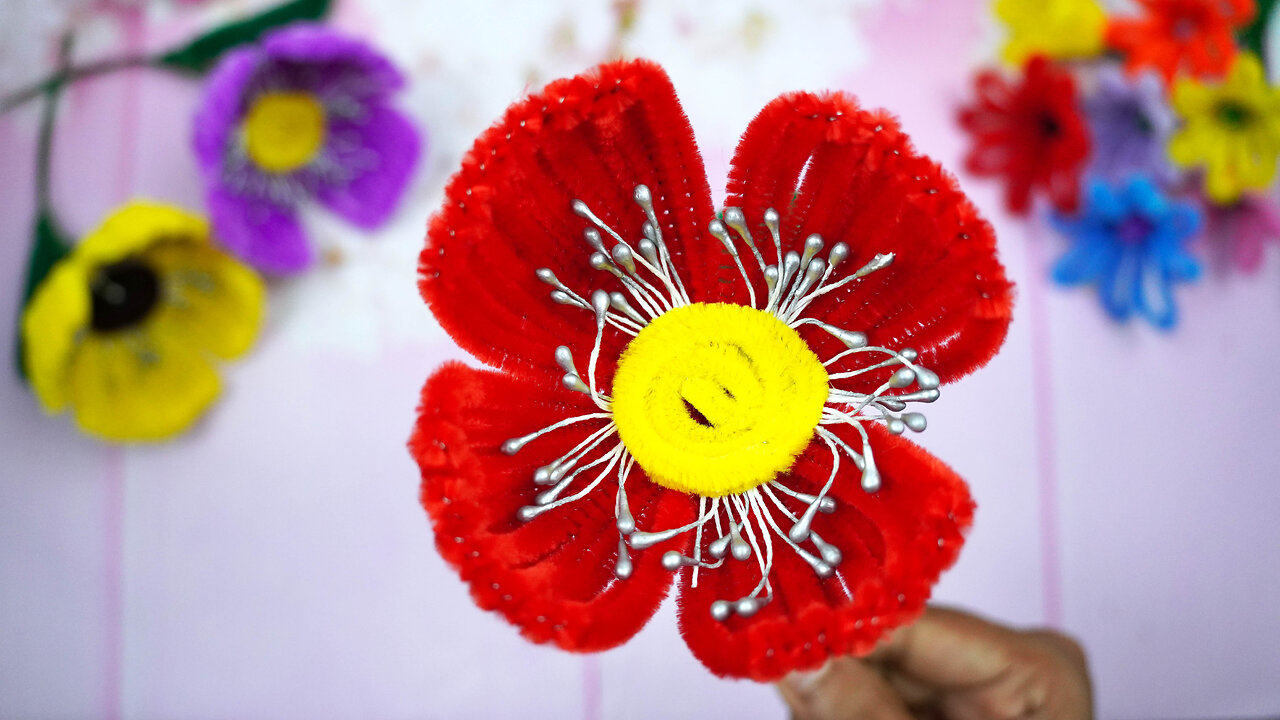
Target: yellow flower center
column 716, row 399
column 284, row 130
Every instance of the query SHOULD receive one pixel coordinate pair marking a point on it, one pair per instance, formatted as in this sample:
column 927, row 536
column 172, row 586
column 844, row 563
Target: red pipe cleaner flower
column 1031, row 133
column 1173, row 36
column 725, row 407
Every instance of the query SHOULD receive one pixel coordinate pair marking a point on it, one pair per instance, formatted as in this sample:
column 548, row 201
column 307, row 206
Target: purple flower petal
column 383, row 150
column 221, row 108
column 309, row 44
column 263, row 234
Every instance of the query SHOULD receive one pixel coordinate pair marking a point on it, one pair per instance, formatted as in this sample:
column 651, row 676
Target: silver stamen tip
column 592, row 237
column 622, row 256
column 573, row 382
column 648, row 250
column 838, row 254
column 529, row 512
column 548, row 277
column 623, row 567
column 580, row 209
column 512, row 446
column 672, row 560
column 600, row 302
column 542, row 475
column 600, row 261
column 916, row 421
column 721, row 610
column 871, row 479
column 643, row 196
column 927, row 379
column 564, row 358
column 895, row 426
column 746, row 607
column 716, row 228
column 718, row 548
column 771, row 219
column 903, row 378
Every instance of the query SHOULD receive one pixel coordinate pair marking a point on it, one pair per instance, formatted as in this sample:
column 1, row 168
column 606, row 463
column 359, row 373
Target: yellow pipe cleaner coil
column 714, row 399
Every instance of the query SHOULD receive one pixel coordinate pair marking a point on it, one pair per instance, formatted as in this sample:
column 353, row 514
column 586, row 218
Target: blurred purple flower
column 304, row 113
column 1131, row 122
column 1241, row 231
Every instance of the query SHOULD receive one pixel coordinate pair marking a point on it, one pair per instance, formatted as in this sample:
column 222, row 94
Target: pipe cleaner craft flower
column 1063, row 29
column 1232, row 130
column 306, row 113
column 1243, row 230
column 1131, row 241
column 1030, row 133
column 717, row 398
column 1131, row 123
column 123, row 330
column 1196, row 37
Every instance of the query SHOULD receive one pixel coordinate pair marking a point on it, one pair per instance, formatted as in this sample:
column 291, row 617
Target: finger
column 948, row 649
column 845, row 689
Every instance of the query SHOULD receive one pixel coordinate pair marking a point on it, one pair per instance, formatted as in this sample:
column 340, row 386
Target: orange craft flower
column 1195, row 37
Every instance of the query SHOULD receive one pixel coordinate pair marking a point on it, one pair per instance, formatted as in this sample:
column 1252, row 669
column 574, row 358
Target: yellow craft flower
column 123, row 330
column 1056, row 28
column 1232, row 129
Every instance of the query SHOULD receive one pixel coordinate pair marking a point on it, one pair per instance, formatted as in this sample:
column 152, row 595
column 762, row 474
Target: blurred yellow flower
column 1232, row 129
column 123, row 329
column 1055, row 28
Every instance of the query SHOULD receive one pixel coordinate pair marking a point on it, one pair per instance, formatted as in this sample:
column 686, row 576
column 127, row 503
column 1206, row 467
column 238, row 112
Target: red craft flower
column 705, row 413
column 1031, row 133
column 1173, row 36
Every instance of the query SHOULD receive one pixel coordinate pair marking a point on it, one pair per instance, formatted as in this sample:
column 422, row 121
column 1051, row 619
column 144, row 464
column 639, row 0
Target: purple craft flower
column 306, row 112
column 1131, row 122
column 1242, row 230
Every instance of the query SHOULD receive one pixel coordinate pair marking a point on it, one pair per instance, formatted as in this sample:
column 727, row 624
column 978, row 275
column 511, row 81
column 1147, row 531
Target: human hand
column 954, row 666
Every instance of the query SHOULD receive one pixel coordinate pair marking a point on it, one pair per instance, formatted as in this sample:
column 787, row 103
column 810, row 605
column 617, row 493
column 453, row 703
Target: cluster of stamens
column 740, row 526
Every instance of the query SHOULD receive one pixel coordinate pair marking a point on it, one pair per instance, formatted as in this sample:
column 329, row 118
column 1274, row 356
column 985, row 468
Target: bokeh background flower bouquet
column 271, row 559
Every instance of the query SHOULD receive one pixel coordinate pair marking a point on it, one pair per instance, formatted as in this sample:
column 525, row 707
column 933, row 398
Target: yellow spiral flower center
column 284, row 131
column 716, row 399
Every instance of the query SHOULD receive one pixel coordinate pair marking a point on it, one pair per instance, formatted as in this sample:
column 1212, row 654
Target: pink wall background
column 274, row 562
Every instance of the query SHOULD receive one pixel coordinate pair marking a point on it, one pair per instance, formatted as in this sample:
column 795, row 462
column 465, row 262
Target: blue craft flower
column 1131, row 241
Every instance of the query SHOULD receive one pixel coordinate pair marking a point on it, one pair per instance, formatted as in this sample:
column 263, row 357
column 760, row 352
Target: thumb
column 844, row 689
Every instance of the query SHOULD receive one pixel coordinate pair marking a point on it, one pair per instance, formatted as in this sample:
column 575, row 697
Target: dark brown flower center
column 1050, row 128
column 123, row 294
column 1234, row 115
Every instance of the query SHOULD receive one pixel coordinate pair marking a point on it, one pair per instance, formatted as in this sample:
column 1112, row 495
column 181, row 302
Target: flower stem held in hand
column 950, row 665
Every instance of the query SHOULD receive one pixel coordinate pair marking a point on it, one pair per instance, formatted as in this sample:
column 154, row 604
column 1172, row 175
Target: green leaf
column 200, row 54
column 51, row 245
column 1254, row 37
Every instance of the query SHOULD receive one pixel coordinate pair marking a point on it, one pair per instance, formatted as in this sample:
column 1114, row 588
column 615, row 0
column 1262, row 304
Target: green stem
column 50, row 244
column 67, row 76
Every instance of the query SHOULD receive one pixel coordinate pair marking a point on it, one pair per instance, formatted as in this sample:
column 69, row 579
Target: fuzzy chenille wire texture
column 717, row 399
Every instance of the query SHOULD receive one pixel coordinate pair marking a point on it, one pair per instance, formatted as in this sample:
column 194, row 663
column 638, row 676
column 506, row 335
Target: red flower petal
column 553, row 577
column 851, row 175
column 895, row 543
column 508, row 211
column 1030, row 133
